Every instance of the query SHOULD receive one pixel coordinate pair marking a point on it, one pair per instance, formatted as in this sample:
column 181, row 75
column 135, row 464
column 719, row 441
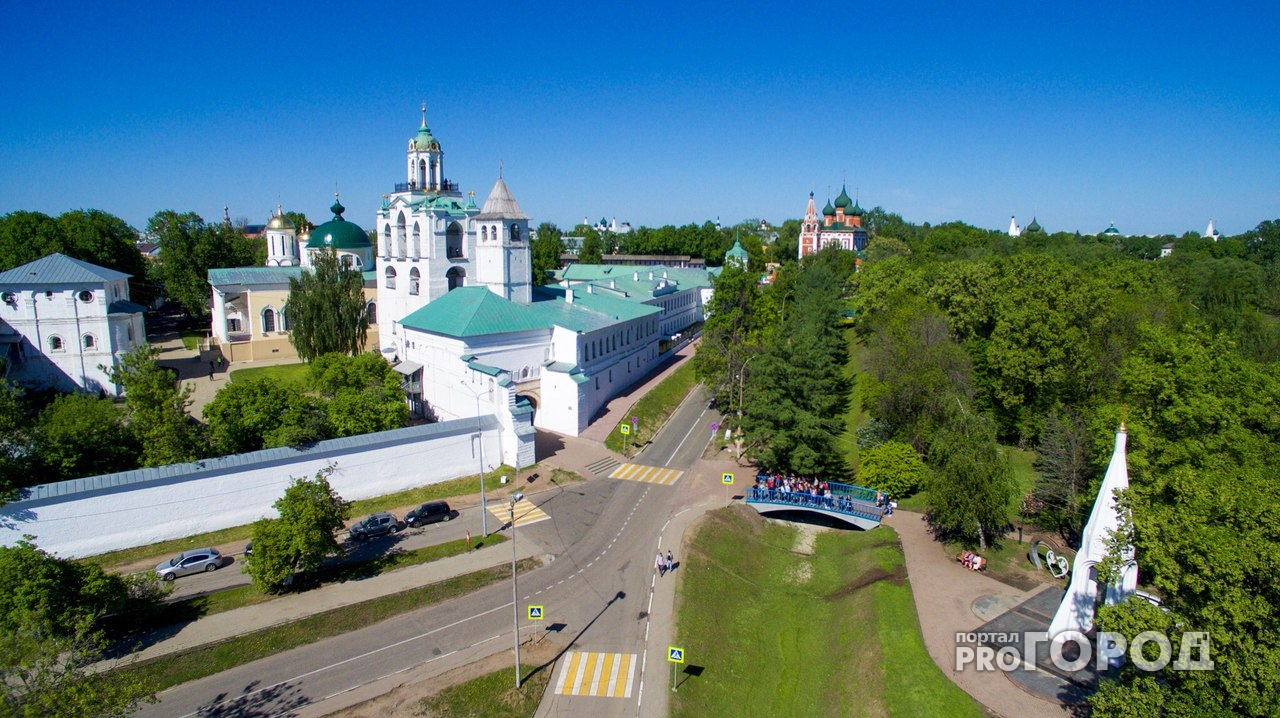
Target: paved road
column 232, row 573
column 602, row 535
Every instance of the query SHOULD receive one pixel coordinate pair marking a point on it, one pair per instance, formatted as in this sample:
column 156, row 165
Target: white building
column 1210, row 232
column 1014, row 229
column 65, row 323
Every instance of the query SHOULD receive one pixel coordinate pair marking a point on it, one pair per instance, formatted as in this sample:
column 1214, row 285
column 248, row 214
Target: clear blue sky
column 1156, row 116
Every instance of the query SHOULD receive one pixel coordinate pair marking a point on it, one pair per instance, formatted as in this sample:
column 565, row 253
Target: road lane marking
column 646, row 474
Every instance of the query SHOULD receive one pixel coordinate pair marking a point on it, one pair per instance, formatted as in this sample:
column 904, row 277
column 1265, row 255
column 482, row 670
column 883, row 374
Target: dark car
column 429, row 513
column 376, row 525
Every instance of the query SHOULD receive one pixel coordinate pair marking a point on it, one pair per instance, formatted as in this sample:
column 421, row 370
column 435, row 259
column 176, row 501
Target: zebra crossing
column 584, row 673
column 647, row 474
column 603, row 466
column 526, row 512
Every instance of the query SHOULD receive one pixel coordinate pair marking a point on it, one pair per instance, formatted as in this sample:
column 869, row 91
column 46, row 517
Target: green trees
column 311, row 513
column 734, row 334
column 893, row 467
column 546, row 251
column 343, row 396
column 81, row 435
column 972, row 491
column 90, row 235
column 189, row 248
column 156, row 409
column 327, row 309
column 798, row 391
column 592, row 248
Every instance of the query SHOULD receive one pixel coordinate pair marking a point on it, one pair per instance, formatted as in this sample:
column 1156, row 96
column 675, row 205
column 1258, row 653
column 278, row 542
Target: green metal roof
column 254, row 275
column 828, row 210
column 476, row 311
column 59, row 269
column 843, row 200
column 736, row 251
column 338, row 233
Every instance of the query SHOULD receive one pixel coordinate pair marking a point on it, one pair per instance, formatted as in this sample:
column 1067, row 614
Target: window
column 55, row 343
column 371, row 311
column 284, row 319
column 386, row 240
column 390, row 275
column 268, row 320
column 85, row 296
column 89, row 341
column 415, row 278
column 515, row 232
column 233, row 324
column 10, row 298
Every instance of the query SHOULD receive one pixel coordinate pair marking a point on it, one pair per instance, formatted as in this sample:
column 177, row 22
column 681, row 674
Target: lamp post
column 515, row 607
column 742, row 376
column 484, row 510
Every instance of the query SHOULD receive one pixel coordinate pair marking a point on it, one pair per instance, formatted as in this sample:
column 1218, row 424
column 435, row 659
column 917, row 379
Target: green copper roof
column 1034, row 226
column 1111, row 229
column 338, row 233
column 843, row 200
column 250, row 276
column 736, row 251
column 856, row 211
column 828, row 210
column 476, row 311
column 424, row 141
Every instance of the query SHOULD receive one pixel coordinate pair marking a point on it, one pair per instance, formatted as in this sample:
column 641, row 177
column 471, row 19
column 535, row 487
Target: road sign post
column 535, row 614
column 625, row 429
column 727, row 479
column 675, row 656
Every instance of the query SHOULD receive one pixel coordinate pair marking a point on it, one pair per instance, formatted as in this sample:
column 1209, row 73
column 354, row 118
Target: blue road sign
column 675, row 655
column 535, row 613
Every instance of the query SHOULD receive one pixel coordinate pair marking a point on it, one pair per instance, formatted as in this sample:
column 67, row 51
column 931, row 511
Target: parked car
column 429, row 513
column 188, row 562
column 376, row 525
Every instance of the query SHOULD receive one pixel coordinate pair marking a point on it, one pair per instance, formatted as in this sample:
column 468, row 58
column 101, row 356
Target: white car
column 187, row 562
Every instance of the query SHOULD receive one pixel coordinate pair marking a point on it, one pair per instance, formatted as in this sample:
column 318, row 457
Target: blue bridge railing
column 836, row 503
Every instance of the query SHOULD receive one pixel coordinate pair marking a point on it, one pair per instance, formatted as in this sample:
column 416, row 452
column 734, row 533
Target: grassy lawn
column 464, row 486
column 834, row 633
column 492, row 695
column 652, row 410
column 280, row 372
column 855, row 416
column 192, row 338
column 168, row 671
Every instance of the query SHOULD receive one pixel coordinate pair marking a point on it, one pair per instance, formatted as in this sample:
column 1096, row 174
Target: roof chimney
column 568, row 296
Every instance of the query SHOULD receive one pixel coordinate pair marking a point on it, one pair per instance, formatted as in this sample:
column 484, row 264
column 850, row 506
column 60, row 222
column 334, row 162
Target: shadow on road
column 278, row 700
column 574, row 641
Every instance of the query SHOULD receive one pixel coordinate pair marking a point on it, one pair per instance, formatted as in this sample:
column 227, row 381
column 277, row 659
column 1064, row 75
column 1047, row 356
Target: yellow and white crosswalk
column 597, row 674
column 647, row 474
column 526, row 512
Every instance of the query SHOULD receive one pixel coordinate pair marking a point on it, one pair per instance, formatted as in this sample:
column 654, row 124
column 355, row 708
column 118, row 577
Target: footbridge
column 855, row 505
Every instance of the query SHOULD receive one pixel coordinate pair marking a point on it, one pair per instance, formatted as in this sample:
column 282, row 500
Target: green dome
column 1034, row 226
column 843, row 200
column 856, row 211
column 338, row 233
column 1111, row 229
column 424, row 141
column 828, row 210
column 736, row 250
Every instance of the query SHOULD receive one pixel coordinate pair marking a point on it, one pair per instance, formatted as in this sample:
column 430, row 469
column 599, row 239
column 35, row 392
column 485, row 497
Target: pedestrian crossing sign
column 625, row 429
column 535, row 613
column 675, row 655
column 726, row 477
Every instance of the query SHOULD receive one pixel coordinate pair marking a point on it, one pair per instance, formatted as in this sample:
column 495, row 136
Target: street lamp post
column 515, row 607
column 484, row 510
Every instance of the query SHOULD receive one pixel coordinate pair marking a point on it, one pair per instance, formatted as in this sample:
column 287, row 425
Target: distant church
column 841, row 225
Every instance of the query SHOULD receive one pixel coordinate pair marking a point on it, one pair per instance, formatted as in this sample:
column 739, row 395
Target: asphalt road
column 601, row 534
column 232, row 572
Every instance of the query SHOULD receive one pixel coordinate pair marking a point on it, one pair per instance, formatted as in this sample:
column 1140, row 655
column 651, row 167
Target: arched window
column 484, row 234
column 453, row 241
column 390, row 275
column 89, row 341
column 414, row 278
column 55, row 343
column 268, row 320
column 284, row 319
column 386, row 240
column 371, row 311
column 515, row 232
column 415, row 245
column 400, row 237
column 457, row 278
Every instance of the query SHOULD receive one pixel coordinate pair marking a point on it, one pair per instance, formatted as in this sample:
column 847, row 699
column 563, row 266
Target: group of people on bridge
column 815, row 493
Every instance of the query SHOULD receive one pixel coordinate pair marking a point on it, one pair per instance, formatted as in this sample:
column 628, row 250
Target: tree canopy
column 189, row 248
column 310, row 514
column 327, row 311
column 91, row 235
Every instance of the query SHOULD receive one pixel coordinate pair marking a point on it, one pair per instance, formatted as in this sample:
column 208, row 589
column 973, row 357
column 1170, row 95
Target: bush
column 892, row 467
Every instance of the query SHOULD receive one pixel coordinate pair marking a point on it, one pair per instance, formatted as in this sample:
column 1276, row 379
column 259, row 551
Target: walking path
column 948, row 600
column 619, row 406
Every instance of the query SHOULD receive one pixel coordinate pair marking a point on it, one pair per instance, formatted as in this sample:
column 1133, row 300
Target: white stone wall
column 99, row 514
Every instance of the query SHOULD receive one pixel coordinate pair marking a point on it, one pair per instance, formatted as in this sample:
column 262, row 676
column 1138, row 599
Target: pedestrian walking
column 660, row 564
column 211, row 370
column 670, row 561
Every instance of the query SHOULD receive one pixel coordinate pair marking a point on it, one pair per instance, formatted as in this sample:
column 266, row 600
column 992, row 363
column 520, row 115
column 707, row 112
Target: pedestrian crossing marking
column 585, row 673
column 526, row 512
column 647, row 474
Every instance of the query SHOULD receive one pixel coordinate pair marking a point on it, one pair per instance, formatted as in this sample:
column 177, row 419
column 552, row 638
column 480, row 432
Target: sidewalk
column 292, row 607
column 620, row 406
column 947, row 596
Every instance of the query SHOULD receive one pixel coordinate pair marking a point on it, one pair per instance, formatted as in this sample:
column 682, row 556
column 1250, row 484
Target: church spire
column 424, row 115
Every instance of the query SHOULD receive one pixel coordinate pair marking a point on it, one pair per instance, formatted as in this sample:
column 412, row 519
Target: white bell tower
column 282, row 241
column 426, row 160
column 502, row 246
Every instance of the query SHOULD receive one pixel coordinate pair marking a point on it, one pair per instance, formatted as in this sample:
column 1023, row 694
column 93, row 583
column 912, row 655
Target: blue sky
column 1156, row 116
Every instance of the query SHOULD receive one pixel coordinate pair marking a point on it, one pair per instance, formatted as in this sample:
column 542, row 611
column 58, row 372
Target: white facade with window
column 65, row 323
